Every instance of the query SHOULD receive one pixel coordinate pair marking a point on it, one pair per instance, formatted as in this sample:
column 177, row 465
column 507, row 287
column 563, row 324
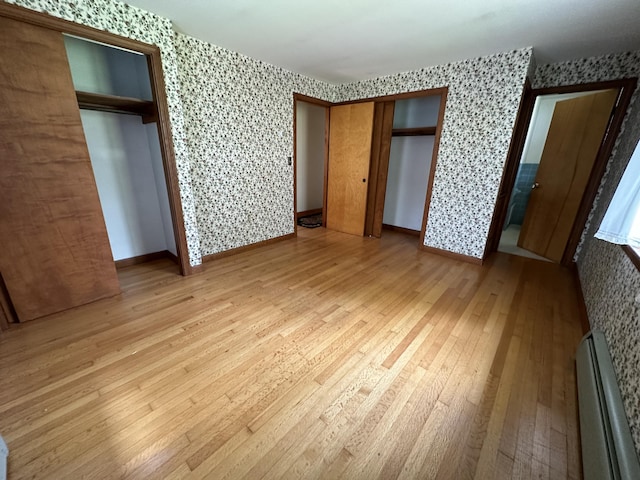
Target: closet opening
column 120, row 122
column 405, row 147
column 374, row 160
column 311, row 125
column 57, row 253
column 410, row 158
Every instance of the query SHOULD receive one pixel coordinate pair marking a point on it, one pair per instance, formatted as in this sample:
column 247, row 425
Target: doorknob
column 535, row 185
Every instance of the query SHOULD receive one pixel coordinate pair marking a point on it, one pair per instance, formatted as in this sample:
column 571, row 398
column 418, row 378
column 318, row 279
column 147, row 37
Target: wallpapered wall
column 609, row 280
column 232, row 118
column 131, row 22
column 239, row 116
column 239, row 122
column 482, row 104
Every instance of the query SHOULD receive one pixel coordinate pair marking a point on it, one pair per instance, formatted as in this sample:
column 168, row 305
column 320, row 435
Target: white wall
column 540, row 122
column 161, row 186
column 407, row 180
column 310, row 134
column 122, row 165
column 97, row 68
column 416, row 112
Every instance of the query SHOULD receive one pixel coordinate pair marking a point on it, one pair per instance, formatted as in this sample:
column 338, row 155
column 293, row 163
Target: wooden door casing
column 350, row 136
column 575, row 135
column 55, row 251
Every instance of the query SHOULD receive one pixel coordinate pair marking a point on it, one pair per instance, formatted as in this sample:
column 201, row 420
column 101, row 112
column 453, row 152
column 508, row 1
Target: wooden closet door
column 350, row 135
column 54, row 249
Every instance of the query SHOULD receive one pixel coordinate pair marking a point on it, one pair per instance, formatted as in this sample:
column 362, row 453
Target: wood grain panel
column 575, row 134
column 298, row 365
column 351, row 128
column 382, row 171
column 55, row 252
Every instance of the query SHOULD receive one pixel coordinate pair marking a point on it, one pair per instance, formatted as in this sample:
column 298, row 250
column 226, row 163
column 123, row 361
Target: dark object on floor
column 311, row 221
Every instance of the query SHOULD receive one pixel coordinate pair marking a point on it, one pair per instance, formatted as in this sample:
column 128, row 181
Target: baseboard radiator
column 608, row 451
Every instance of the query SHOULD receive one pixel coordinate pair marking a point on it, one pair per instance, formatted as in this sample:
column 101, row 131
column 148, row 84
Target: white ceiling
column 345, row 40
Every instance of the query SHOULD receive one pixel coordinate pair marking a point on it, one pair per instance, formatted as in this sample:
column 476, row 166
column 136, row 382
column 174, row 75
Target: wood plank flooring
column 324, row 356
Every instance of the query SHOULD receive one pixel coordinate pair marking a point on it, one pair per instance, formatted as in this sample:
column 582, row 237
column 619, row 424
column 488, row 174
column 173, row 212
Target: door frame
column 626, row 88
column 380, row 167
column 299, row 97
column 158, row 89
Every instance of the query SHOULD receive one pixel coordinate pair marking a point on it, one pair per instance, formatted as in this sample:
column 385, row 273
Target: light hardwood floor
column 326, row 356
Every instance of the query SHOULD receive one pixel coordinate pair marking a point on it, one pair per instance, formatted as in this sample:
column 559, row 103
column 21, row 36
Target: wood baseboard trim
column 314, row 211
column 147, row 257
column 244, row 248
column 582, row 306
column 395, row 228
column 453, row 255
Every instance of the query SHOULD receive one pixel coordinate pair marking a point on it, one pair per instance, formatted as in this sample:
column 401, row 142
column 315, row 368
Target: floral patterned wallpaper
column 232, row 122
column 481, row 109
column 131, row 22
column 610, row 281
column 239, row 129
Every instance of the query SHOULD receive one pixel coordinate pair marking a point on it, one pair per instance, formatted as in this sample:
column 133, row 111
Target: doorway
column 398, row 150
column 310, row 146
column 561, row 143
column 124, row 149
column 410, row 160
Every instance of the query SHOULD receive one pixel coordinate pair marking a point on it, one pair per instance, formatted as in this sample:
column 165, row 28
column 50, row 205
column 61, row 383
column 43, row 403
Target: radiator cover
column 608, row 451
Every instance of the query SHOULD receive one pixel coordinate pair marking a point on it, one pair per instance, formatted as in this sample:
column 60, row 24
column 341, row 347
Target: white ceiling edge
column 340, row 41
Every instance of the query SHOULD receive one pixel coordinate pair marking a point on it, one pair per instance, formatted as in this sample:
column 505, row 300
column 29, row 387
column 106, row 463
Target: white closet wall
column 125, row 153
column 416, row 112
column 407, row 180
column 410, row 163
column 310, row 127
column 98, row 68
column 122, row 166
column 161, row 186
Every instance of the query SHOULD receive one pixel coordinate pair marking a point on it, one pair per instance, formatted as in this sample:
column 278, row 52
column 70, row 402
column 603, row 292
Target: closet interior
column 89, row 180
column 381, row 162
column 116, row 107
column 410, row 156
column 310, row 135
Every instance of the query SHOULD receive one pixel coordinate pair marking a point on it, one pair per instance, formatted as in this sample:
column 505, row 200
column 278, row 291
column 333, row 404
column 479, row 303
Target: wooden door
column 350, row 132
column 55, row 251
column 575, row 134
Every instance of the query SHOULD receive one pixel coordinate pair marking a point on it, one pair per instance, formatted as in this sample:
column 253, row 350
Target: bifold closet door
column 350, row 134
column 55, row 252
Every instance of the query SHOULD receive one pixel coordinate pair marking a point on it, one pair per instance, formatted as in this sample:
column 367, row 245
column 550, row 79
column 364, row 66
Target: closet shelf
column 412, row 132
column 116, row 104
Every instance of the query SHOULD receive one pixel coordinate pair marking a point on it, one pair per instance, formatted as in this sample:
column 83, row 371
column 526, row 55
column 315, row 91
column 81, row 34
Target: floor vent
column 608, row 451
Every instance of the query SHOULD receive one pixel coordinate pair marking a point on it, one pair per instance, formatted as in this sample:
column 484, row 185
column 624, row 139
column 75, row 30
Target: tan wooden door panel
column 350, row 132
column 55, row 251
column 575, row 134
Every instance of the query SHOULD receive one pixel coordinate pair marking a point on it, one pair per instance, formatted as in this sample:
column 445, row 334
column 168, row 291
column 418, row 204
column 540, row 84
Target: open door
column 55, row 252
column 576, row 132
column 350, row 133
